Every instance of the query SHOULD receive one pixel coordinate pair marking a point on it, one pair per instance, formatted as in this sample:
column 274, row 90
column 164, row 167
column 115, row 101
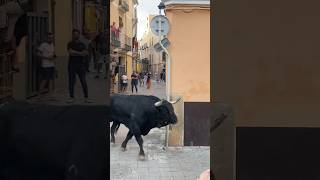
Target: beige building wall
column 126, row 31
column 63, row 26
column 271, row 76
column 114, row 12
column 190, row 52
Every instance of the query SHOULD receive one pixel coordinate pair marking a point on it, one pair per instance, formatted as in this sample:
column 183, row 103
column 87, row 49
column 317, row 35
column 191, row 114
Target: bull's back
column 123, row 106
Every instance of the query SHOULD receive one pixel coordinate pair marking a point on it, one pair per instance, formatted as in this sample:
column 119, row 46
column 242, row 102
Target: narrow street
column 174, row 163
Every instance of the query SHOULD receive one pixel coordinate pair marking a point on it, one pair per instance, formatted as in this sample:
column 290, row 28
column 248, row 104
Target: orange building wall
column 190, row 54
column 267, row 63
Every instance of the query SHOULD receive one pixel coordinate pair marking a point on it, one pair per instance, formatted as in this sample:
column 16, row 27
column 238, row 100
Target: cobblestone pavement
column 180, row 163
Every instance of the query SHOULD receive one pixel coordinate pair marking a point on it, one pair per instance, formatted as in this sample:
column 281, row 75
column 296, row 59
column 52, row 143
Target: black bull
column 53, row 142
column 140, row 114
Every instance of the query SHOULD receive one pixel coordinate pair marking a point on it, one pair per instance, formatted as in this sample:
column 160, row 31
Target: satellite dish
column 161, row 21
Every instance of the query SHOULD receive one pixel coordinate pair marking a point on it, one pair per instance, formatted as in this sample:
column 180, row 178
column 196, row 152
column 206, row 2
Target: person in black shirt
column 102, row 48
column 77, row 59
column 134, row 81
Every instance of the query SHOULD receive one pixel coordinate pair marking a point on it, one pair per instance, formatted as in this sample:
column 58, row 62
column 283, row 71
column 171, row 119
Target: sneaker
column 86, row 100
column 70, row 100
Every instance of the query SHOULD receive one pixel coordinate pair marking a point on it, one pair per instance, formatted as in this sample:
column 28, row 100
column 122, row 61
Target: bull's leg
column 124, row 144
column 113, row 130
column 140, row 142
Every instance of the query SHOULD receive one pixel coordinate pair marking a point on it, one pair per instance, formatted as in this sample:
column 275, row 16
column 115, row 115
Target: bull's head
column 166, row 112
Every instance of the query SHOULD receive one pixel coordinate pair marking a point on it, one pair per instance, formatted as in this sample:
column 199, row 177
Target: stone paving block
column 176, row 177
column 167, row 178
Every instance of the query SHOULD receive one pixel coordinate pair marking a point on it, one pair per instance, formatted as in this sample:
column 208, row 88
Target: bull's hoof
column 142, row 157
column 123, row 149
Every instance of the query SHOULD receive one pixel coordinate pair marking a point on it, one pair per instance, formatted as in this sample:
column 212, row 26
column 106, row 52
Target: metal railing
column 115, row 42
column 6, row 75
column 2, row 2
column 38, row 26
column 128, row 43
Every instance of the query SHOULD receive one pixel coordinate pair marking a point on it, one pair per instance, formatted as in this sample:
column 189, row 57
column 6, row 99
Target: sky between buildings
column 145, row 8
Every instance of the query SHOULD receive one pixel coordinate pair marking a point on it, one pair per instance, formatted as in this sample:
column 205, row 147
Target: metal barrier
column 2, row 2
column 6, row 76
column 37, row 28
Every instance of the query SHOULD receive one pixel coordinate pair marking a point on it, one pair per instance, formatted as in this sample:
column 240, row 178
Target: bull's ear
column 157, row 104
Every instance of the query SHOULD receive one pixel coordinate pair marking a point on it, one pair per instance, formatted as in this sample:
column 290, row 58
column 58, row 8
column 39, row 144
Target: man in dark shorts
column 77, row 65
column 46, row 53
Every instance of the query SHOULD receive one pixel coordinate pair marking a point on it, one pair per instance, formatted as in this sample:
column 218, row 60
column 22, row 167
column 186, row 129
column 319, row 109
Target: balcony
column 115, row 42
column 123, row 6
column 128, row 43
column 127, row 47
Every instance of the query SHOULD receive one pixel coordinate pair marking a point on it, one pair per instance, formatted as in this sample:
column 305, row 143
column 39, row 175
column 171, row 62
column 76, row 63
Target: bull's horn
column 157, row 104
column 174, row 102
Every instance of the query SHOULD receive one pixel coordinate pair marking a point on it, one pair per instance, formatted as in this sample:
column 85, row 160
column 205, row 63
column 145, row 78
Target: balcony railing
column 128, row 43
column 6, row 76
column 127, row 47
column 123, row 6
column 115, row 42
column 2, row 2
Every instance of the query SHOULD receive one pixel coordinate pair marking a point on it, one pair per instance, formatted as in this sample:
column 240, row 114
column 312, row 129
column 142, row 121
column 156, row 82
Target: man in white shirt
column 46, row 53
column 124, row 79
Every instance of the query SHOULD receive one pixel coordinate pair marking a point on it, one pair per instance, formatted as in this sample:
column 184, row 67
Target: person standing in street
column 145, row 78
column 134, row 81
column 46, row 53
column 164, row 76
column 112, row 71
column 77, row 59
column 161, row 76
column 149, row 81
column 86, row 41
column 140, row 77
column 124, row 83
column 102, row 46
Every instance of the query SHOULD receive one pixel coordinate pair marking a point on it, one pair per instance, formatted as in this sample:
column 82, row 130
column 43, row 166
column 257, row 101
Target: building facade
column 123, row 21
column 190, row 65
column 153, row 61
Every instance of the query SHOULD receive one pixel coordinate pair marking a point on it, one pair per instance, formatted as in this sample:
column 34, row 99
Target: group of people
column 80, row 54
column 141, row 78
